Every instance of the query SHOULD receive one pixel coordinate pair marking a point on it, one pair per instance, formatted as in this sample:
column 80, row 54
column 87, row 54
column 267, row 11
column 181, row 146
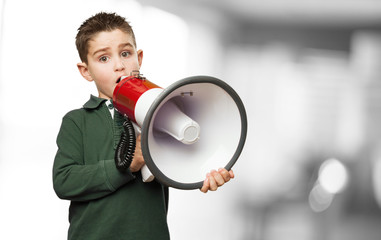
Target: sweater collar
column 94, row 102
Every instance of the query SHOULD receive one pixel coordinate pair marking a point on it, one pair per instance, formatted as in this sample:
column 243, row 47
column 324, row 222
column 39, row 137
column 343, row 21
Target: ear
column 140, row 57
column 84, row 70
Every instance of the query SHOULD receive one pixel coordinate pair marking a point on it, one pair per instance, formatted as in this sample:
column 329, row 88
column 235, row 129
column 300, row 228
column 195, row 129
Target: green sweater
column 105, row 203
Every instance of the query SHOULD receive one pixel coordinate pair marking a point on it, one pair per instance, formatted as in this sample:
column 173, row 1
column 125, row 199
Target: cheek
column 132, row 65
column 100, row 72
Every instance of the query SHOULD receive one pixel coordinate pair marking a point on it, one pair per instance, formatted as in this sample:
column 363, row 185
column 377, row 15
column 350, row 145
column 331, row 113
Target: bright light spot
column 319, row 199
column 333, row 176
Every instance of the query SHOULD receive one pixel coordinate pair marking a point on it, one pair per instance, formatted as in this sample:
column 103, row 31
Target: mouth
column 120, row 78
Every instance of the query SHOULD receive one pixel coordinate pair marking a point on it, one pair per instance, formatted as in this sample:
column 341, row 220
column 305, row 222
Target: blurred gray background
column 308, row 72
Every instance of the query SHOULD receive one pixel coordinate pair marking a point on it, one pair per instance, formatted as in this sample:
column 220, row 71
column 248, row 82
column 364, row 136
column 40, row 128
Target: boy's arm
column 72, row 179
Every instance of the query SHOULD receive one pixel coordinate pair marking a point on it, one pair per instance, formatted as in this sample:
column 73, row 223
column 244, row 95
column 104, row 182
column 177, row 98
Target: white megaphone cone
column 187, row 129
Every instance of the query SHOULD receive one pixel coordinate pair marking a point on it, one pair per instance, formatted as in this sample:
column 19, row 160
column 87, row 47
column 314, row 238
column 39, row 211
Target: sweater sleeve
column 72, row 178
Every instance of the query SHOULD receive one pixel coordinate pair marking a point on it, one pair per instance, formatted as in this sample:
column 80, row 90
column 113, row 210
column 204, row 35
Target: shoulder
column 75, row 115
column 93, row 104
column 73, row 120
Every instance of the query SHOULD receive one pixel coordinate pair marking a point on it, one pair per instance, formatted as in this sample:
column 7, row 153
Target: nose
column 119, row 65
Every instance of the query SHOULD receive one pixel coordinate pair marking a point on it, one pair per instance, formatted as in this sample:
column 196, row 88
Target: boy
column 107, row 203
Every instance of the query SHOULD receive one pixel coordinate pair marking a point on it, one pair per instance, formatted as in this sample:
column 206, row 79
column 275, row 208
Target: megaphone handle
column 147, row 176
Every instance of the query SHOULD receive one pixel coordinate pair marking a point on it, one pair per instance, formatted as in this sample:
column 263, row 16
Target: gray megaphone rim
column 148, row 118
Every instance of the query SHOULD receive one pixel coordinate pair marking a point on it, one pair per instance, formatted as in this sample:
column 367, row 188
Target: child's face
column 110, row 56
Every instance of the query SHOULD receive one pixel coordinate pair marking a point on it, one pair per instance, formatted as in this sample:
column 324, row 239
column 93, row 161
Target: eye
column 104, row 59
column 125, row 54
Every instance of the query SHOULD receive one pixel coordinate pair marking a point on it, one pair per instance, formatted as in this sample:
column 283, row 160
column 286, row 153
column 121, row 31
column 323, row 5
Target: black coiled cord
column 126, row 147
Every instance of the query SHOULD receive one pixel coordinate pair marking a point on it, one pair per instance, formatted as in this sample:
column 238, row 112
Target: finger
column 225, row 174
column 231, row 173
column 212, row 183
column 205, row 186
column 138, row 152
column 138, row 149
column 218, row 178
column 138, row 140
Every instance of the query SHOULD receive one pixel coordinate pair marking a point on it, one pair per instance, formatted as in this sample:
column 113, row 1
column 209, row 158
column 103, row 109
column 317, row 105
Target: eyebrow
column 101, row 50
column 123, row 45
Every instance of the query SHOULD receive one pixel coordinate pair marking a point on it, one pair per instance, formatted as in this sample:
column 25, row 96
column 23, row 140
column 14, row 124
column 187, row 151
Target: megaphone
column 187, row 129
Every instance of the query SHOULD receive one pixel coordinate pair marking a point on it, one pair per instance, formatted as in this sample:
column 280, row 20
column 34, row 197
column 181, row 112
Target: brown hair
column 98, row 23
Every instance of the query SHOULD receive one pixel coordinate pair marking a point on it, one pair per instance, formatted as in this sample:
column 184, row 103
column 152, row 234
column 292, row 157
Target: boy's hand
column 216, row 179
column 138, row 160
